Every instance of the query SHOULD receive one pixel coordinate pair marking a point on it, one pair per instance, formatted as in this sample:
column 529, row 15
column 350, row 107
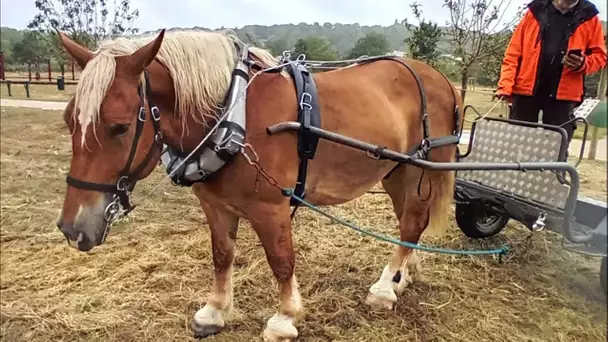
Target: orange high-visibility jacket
column 520, row 66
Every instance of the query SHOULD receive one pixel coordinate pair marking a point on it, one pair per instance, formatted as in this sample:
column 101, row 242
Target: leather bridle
column 127, row 177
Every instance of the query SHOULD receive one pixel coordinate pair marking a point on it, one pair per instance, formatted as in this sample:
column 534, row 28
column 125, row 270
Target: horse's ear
column 141, row 58
column 81, row 54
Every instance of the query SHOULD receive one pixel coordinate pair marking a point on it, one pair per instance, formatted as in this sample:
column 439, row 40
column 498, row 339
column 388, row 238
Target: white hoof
column 403, row 283
column 381, row 297
column 210, row 316
column 280, row 328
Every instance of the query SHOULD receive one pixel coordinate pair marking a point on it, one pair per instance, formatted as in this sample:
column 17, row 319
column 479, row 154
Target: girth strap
column 309, row 114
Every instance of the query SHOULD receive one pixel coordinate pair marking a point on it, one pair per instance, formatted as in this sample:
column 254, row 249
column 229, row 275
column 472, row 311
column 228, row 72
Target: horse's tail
column 443, row 181
column 441, row 201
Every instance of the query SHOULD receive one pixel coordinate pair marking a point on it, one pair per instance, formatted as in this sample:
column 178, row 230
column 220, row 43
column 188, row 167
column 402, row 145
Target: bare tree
column 85, row 21
column 476, row 31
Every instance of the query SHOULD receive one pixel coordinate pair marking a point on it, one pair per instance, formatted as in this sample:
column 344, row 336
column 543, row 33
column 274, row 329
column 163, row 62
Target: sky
column 157, row 14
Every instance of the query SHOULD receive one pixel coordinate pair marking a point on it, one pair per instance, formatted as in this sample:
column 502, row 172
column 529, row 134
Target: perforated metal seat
column 500, row 141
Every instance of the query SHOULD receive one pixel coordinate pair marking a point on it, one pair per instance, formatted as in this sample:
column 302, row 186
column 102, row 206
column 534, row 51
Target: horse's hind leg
column 413, row 200
column 223, row 226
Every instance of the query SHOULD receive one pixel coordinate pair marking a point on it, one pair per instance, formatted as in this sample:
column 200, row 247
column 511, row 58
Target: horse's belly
column 338, row 175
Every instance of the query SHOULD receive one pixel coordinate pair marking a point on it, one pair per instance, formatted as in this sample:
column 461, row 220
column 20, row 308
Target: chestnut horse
column 188, row 75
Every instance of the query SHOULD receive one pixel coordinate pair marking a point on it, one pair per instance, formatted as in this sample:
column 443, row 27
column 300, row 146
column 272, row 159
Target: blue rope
column 501, row 252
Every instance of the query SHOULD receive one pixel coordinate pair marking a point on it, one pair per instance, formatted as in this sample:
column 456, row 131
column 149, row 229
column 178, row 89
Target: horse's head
column 115, row 139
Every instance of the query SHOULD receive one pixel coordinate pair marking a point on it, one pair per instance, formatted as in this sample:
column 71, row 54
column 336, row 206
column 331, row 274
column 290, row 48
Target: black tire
column 604, row 274
column 478, row 221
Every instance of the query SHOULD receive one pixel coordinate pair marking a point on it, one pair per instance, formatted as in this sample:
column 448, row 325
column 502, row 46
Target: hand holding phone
column 574, row 59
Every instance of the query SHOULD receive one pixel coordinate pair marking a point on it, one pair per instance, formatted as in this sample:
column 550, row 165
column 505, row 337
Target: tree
column 372, row 44
column 86, row 21
column 314, row 48
column 476, row 31
column 30, row 46
column 489, row 67
column 424, row 38
column 253, row 39
column 277, row 46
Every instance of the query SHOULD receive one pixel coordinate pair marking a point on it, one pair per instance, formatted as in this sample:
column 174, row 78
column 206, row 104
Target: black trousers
column 555, row 112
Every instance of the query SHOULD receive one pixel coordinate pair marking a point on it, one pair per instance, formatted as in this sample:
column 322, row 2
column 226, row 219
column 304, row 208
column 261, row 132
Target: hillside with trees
column 470, row 45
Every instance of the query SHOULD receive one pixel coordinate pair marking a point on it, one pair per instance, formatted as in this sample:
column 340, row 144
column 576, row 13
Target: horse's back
column 381, row 101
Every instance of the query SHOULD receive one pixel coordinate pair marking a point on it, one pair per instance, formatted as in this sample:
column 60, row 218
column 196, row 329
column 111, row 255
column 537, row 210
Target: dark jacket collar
column 583, row 10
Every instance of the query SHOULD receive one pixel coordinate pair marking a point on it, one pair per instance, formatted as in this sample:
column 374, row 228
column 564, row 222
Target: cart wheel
column 604, row 274
column 477, row 221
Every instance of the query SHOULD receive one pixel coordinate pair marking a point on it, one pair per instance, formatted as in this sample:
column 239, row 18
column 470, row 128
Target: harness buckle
column 119, row 184
column 158, row 137
column 111, row 210
column 202, row 174
column 155, row 113
column 373, row 155
column 305, row 101
column 141, row 116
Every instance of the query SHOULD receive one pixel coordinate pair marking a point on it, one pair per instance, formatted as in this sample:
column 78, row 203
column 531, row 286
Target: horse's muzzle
column 87, row 231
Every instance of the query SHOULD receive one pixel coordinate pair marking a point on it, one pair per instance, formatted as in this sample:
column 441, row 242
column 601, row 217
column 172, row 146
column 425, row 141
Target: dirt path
column 574, row 148
column 47, row 105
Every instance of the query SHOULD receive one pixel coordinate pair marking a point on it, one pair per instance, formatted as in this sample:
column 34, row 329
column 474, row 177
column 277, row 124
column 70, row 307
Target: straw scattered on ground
column 155, row 269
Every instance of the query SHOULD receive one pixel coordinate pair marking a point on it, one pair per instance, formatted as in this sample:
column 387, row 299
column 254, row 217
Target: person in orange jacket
column 554, row 46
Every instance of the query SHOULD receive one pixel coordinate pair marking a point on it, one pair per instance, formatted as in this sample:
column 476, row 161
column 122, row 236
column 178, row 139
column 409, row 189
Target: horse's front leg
column 273, row 227
column 223, row 225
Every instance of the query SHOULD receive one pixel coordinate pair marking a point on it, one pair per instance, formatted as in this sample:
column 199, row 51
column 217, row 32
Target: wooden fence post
column 601, row 95
column 48, row 66
column 72, row 66
column 1, row 65
column 37, row 68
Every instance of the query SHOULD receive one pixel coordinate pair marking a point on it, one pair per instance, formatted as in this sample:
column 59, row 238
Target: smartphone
column 576, row 52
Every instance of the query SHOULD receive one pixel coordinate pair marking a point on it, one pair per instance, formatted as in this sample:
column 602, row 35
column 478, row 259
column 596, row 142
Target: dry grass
column 153, row 273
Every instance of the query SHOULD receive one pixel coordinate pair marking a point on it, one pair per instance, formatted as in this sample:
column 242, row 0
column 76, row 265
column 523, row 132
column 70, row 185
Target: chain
column 253, row 160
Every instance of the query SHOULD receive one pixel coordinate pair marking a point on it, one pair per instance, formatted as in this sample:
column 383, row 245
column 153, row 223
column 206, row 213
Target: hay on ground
column 155, row 269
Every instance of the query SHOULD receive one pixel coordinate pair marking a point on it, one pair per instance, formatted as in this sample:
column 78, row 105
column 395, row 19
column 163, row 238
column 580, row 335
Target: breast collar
column 224, row 143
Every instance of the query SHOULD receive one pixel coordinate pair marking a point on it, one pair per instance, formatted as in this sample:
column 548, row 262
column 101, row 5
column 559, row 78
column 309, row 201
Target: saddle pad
column 503, row 142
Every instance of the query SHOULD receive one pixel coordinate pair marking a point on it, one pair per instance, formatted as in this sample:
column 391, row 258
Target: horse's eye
column 118, row 129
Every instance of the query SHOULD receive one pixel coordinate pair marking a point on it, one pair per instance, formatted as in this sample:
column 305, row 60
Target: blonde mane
column 199, row 62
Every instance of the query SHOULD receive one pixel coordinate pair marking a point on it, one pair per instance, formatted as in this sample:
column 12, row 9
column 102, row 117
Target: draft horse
column 134, row 92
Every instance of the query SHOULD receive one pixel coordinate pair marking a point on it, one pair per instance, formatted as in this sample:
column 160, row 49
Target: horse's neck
column 182, row 135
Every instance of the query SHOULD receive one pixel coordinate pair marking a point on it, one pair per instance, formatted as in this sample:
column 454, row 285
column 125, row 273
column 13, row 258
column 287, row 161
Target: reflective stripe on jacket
column 520, row 66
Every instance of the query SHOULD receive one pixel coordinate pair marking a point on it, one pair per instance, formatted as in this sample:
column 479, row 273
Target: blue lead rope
column 500, row 252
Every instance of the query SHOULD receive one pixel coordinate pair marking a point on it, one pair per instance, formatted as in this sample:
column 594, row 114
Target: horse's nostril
column 67, row 230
